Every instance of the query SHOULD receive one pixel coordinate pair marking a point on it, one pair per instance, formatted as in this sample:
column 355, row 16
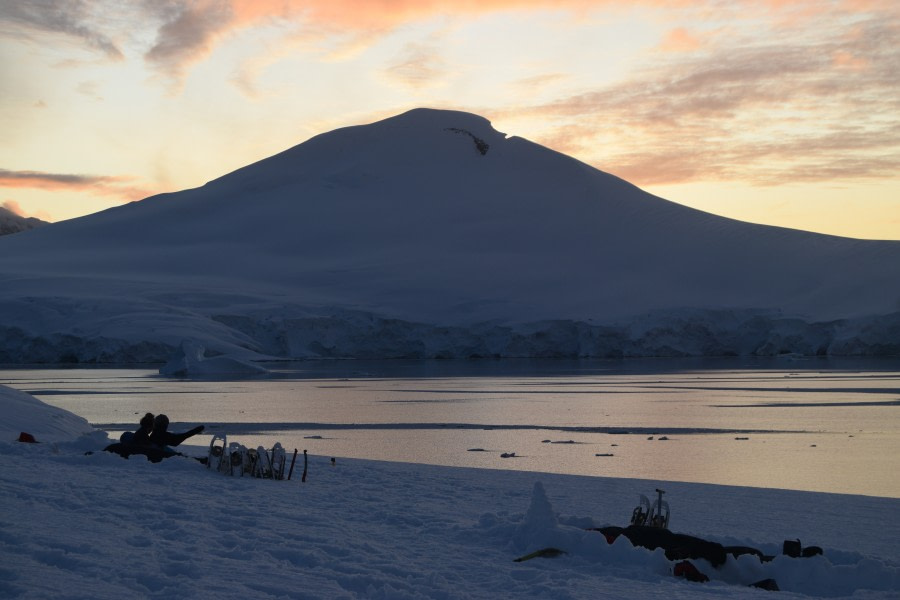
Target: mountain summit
column 432, row 234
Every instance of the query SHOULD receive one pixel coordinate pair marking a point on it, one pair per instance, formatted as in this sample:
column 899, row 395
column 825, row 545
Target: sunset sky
column 770, row 111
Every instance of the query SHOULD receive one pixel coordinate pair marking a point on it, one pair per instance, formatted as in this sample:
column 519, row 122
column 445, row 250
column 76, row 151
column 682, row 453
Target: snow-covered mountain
column 430, row 234
column 10, row 222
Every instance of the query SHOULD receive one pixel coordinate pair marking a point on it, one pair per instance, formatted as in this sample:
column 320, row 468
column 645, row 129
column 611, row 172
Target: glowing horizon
column 784, row 113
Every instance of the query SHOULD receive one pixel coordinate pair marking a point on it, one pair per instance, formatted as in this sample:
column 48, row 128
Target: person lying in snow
column 152, row 439
column 141, row 437
column 161, row 437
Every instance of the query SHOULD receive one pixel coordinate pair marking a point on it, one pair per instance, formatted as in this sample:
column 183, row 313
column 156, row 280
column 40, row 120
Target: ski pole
column 291, row 471
column 305, row 463
column 659, row 504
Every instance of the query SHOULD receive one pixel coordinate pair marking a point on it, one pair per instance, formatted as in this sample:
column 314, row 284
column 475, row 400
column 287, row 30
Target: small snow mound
column 540, row 511
column 189, row 360
column 539, row 527
column 23, row 412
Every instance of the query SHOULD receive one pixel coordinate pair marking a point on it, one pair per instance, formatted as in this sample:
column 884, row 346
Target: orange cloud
column 35, row 179
column 191, row 30
column 387, row 14
column 846, row 60
column 187, row 31
column 100, row 184
column 679, row 40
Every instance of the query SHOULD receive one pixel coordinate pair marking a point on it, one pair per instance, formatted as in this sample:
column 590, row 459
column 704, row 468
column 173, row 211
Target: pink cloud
column 798, row 108
column 387, row 14
column 191, row 30
column 13, row 207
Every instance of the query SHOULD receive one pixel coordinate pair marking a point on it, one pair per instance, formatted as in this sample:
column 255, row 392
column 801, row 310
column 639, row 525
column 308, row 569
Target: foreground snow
column 98, row 526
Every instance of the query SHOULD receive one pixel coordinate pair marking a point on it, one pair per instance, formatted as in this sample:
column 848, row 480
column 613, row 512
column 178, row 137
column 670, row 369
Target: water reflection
column 694, row 420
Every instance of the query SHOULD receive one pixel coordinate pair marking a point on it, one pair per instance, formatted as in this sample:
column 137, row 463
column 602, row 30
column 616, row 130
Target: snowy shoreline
column 98, row 526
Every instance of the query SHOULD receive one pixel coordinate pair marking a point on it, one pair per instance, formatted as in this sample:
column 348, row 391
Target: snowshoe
column 641, row 512
column 263, row 464
column 278, row 459
column 655, row 515
column 216, row 453
column 252, row 462
column 236, row 453
column 235, row 459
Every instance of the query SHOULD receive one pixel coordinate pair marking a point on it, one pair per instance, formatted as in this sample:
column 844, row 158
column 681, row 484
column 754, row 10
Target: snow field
column 98, row 526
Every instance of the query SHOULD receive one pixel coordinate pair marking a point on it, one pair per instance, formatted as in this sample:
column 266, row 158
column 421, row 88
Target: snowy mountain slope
column 434, row 220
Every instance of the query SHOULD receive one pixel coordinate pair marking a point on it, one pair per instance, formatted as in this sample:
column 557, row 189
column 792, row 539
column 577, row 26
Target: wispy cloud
column 114, row 186
column 89, row 89
column 76, row 18
column 536, row 83
column 184, row 32
column 798, row 89
column 51, row 180
column 418, row 65
column 188, row 33
column 765, row 113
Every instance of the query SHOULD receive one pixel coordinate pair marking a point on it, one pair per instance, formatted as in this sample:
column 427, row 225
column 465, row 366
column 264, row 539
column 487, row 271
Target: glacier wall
column 364, row 335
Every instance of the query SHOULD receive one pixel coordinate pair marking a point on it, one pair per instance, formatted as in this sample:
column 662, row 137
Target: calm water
column 820, row 425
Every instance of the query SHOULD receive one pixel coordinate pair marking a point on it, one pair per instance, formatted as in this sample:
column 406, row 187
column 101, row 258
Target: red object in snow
column 27, row 438
column 687, row 570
